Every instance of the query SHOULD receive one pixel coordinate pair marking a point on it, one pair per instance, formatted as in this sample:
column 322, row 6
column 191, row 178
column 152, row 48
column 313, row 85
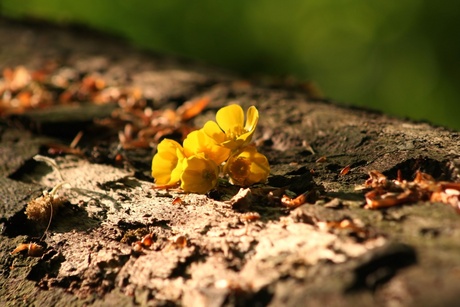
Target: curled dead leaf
column 147, row 240
column 177, row 201
column 387, row 193
column 33, row 249
column 250, row 216
column 345, row 170
column 192, row 108
column 178, row 241
column 321, row 159
column 307, row 197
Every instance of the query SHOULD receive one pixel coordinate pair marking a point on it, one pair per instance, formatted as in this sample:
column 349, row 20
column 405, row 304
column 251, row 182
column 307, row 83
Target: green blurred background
column 401, row 57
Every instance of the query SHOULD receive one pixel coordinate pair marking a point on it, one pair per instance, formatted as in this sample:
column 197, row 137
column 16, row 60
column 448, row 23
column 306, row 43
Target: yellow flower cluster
column 219, row 147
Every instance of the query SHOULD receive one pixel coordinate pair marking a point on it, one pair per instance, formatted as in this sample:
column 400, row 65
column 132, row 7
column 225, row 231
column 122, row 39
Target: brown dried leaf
column 387, row 193
column 192, row 108
column 345, row 170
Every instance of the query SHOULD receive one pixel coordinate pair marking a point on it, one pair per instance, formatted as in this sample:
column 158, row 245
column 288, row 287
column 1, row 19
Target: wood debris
column 321, row 159
column 346, row 224
column 138, row 124
column 33, row 249
column 177, row 242
column 250, row 216
column 307, row 197
column 345, row 170
column 387, row 193
column 146, row 242
column 46, row 206
column 146, row 127
column 177, row 201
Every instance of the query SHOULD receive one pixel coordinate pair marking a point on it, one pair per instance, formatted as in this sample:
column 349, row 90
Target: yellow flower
column 198, row 142
column 247, row 167
column 230, row 130
column 199, row 174
column 167, row 163
column 197, row 165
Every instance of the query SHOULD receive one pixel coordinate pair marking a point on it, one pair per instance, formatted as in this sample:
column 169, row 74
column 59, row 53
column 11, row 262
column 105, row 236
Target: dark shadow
column 243, row 297
column 69, row 217
column 438, row 169
column 31, row 171
column 380, row 265
column 48, row 268
column 353, row 196
column 123, row 183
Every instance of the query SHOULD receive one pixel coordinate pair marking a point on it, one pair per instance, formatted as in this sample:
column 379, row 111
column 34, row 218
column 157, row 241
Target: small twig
column 50, row 162
column 50, row 203
column 49, row 221
column 76, row 139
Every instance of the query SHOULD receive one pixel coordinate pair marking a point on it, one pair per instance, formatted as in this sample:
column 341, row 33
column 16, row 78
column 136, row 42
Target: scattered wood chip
column 307, row 197
column 178, row 241
column 33, row 249
column 243, row 199
column 177, row 201
column 321, row 159
column 346, row 224
column 192, row 108
column 147, row 240
column 345, row 170
column 250, row 216
column 139, row 126
column 387, row 193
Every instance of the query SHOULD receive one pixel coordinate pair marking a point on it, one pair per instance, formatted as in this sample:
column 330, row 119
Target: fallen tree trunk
column 207, row 250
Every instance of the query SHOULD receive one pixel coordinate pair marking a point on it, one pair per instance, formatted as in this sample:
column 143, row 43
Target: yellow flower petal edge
column 199, row 142
column 199, row 174
column 247, row 167
column 167, row 162
column 252, row 118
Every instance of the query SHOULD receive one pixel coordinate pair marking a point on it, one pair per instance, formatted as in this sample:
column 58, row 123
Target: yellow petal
column 247, row 167
column 230, row 118
column 198, row 142
column 177, row 171
column 252, row 118
column 191, row 144
column 260, row 169
column 238, row 170
column 166, row 164
column 233, row 144
column 199, row 174
column 250, row 127
column 213, row 130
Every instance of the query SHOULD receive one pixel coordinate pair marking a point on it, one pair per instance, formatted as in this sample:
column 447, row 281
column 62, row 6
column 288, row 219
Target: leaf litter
column 140, row 126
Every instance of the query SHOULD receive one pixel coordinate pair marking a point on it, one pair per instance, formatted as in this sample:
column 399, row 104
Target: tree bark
column 251, row 251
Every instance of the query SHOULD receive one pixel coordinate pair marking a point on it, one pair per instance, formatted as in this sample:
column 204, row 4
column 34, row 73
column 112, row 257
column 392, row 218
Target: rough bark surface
column 404, row 255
